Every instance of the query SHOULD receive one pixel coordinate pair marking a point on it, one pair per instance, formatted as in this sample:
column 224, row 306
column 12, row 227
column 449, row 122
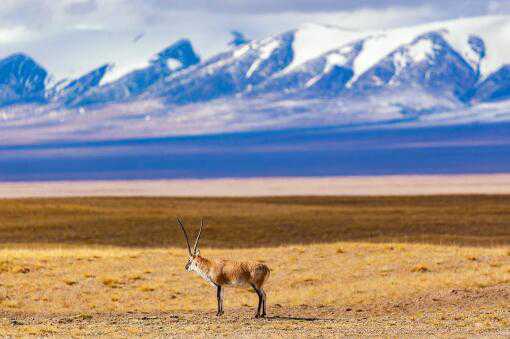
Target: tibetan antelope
column 222, row 273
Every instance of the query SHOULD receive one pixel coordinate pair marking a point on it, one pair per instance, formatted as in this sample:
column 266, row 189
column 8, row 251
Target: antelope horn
column 198, row 237
column 185, row 235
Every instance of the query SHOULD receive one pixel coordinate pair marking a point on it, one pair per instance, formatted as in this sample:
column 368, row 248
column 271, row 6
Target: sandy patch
column 253, row 187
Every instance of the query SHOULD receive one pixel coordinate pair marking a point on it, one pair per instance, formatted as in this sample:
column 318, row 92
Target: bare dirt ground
column 338, row 186
column 454, row 312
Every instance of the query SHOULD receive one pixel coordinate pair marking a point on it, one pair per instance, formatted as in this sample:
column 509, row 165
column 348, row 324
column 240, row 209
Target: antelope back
column 242, row 273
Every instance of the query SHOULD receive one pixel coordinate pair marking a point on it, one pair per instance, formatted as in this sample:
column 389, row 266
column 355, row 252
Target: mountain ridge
column 312, row 75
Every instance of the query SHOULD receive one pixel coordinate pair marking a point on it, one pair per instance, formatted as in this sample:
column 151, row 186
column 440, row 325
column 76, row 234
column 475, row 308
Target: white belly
column 240, row 283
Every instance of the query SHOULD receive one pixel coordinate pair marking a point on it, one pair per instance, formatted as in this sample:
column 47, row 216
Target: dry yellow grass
column 343, row 275
column 79, row 280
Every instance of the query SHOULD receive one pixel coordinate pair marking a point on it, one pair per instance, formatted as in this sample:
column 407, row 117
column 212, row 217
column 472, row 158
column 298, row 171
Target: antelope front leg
column 219, row 297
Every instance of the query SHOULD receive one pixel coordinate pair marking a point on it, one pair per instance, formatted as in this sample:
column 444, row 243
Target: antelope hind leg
column 219, row 297
column 264, row 299
column 259, row 307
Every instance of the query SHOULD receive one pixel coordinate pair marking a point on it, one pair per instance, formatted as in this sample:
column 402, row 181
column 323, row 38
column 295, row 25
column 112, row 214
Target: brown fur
column 226, row 272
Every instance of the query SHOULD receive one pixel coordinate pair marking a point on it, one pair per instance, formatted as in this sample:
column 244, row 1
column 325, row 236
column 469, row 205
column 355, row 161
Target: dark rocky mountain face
column 181, row 51
column 238, row 39
column 22, row 80
column 78, row 87
column 495, row 87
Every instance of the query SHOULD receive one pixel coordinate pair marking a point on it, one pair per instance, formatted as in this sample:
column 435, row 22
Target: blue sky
column 59, row 33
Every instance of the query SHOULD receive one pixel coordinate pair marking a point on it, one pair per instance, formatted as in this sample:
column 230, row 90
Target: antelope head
column 191, row 265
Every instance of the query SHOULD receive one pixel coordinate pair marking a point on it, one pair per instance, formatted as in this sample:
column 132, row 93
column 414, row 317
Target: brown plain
column 340, row 265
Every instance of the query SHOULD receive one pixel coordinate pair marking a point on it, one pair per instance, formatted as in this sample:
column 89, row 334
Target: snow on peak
column 333, row 60
column 494, row 31
column 118, row 70
column 176, row 56
column 483, row 41
column 173, row 64
column 421, row 50
column 266, row 49
column 239, row 52
column 312, row 40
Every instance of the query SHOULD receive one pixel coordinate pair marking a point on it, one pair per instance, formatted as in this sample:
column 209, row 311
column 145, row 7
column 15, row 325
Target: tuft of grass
column 70, row 282
column 304, row 282
column 147, row 288
column 85, row 316
column 41, row 330
column 420, row 269
column 5, row 266
column 111, row 282
column 11, row 304
column 20, row 269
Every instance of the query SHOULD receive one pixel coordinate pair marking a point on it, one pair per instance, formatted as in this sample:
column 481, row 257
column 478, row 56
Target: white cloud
column 15, row 35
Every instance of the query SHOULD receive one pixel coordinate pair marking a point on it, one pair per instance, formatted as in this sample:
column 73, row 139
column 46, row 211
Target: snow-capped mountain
column 450, row 61
column 310, row 76
column 229, row 73
column 94, row 87
column 325, row 75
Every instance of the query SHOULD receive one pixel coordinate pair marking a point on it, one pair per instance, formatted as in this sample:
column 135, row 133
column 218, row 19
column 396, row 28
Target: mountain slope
column 495, row 87
column 228, row 73
column 178, row 56
column 428, row 63
column 22, row 80
column 73, row 90
column 325, row 75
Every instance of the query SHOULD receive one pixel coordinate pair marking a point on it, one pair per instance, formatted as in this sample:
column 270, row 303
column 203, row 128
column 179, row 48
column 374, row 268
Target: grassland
column 340, row 266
